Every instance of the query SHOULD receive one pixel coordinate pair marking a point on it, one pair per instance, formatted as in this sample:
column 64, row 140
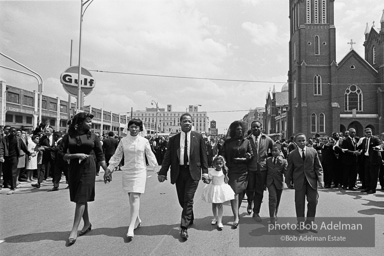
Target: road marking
column 2, row 241
column 149, row 176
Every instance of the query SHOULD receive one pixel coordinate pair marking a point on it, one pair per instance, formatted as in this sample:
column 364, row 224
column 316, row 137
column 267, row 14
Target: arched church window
column 317, row 85
column 322, row 122
column 317, row 45
column 316, row 11
column 373, row 55
column 313, row 122
column 353, row 98
column 308, row 11
column 324, row 11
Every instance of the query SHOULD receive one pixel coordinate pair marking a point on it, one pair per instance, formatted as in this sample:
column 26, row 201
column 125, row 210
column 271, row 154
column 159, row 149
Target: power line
column 218, row 79
column 188, row 77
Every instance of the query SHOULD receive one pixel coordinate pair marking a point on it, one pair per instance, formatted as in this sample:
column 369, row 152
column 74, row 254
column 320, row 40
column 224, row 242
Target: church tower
column 312, row 68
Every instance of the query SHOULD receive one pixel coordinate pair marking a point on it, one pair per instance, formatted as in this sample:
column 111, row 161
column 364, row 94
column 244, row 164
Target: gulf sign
column 69, row 80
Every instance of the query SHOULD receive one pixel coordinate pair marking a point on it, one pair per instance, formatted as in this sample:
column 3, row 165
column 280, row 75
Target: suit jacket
column 374, row 155
column 347, row 157
column 44, row 141
column 20, row 147
column 260, row 153
column 109, row 146
column 275, row 171
column 309, row 169
column 198, row 161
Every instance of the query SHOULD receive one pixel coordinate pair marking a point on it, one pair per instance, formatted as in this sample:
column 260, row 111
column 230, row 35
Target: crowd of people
column 242, row 163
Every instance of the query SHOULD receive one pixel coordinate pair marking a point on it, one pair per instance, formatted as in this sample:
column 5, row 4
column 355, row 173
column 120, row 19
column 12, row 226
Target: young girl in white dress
column 218, row 191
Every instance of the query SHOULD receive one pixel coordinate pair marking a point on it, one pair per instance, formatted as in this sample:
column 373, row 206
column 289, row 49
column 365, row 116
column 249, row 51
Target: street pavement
column 38, row 221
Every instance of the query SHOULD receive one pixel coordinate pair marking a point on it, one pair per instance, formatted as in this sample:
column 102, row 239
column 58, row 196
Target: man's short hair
column 111, row 134
column 368, row 129
column 184, row 115
column 257, row 121
column 299, row 134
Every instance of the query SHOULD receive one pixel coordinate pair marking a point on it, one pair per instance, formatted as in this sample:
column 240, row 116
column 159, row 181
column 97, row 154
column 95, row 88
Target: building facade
column 256, row 114
column 19, row 108
column 326, row 96
column 276, row 108
column 168, row 121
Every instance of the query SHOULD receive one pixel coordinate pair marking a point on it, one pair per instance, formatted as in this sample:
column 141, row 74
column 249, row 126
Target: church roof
column 351, row 54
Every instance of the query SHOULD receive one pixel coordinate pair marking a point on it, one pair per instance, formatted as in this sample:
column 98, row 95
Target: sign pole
column 79, row 75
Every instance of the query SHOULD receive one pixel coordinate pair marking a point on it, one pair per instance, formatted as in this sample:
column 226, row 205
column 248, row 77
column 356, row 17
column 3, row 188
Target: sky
column 243, row 40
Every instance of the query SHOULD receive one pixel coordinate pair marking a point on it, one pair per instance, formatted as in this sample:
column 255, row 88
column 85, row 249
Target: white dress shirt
column 182, row 145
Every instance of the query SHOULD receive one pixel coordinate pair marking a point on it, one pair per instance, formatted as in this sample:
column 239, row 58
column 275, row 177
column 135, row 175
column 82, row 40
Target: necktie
column 274, row 160
column 303, row 155
column 186, row 150
column 367, row 147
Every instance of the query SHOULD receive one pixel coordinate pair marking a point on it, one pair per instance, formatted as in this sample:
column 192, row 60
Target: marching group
column 242, row 163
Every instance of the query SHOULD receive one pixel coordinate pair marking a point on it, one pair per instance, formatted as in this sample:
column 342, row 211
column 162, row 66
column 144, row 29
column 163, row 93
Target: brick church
column 327, row 96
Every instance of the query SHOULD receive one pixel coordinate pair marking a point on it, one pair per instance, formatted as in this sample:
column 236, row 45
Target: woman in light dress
column 134, row 148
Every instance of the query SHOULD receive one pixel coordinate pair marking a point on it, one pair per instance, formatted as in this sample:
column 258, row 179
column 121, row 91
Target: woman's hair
column 35, row 136
column 137, row 122
column 234, row 125
column 77, row 120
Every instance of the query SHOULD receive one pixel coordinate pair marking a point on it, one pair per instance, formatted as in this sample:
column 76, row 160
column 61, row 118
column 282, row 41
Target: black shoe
column 71, row 241
column 365, row 190
column 352, row 188
column 249, row 209
column 344, row 187
column 371, row 192
column 37, row 185
column 81, row 233
column 55, row 189
column 235, row 225
column 184, row 234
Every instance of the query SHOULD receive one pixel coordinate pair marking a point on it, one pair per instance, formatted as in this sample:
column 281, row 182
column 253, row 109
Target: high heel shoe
column 81, row 233
column 71, row 241
column 130, row 236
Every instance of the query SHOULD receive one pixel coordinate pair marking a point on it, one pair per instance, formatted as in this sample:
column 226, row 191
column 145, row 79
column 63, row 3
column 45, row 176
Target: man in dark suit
column 9, row 152
column 305, row 170
column 46, row 143
column 60, row 165
column 187, row 156
column 349, row 160
column 109, row 146
column 370, row 148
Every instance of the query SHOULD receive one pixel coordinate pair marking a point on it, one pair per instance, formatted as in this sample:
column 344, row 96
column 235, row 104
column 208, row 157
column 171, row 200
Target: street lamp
column 34, row 74
column 157, row 110
column 79, row 93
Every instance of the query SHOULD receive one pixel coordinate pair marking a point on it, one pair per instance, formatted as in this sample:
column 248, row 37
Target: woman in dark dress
column 237, row 152
column 81, row 147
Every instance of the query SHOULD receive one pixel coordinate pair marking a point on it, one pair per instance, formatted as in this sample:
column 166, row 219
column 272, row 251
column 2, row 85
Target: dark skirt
column 238, row 177
column 82, row 180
